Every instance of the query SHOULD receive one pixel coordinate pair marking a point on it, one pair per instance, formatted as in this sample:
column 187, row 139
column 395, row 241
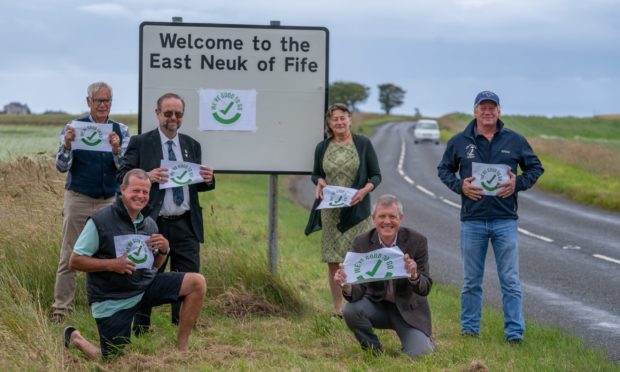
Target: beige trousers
column 76, row 210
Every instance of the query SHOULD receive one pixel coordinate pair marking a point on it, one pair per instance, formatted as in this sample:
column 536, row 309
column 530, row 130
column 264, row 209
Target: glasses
column 168, row 114
column 98, row 101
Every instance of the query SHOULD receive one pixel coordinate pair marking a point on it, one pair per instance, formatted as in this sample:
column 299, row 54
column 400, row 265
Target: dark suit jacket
column 144, row 152
column 410, row 296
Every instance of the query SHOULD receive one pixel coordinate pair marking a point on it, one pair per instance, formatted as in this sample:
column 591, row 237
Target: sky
column 551, row 57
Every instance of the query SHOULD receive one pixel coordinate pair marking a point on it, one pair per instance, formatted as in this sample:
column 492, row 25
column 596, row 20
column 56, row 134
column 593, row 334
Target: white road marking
column 573, row 247
column 606, row 258
column 531, row 234
column 427, row 192
column 450, row 202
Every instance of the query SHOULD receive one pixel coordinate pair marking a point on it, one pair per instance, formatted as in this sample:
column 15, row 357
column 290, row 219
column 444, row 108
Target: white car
column 426, row 130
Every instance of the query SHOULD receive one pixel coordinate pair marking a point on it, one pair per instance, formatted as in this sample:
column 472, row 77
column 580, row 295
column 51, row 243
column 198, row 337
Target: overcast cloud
column 552, row 57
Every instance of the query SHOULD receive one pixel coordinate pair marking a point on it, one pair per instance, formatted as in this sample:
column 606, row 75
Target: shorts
column 115, row 330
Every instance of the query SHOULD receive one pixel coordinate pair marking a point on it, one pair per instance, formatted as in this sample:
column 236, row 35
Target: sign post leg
column 273, row 223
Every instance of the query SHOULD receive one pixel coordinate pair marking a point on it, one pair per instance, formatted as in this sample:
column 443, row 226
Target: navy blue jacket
column 507, row 147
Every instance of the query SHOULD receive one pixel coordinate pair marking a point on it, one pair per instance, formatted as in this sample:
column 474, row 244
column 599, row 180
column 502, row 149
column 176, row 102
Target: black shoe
column 335, row 315
column 67, row 335
column 515, row 341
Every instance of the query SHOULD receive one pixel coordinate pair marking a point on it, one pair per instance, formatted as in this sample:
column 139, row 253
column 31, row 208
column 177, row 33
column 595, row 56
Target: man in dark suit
column 398, row 304
column 177, row 211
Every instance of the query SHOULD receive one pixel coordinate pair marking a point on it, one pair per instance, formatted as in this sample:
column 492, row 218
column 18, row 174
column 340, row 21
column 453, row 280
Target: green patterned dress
column 340, row 164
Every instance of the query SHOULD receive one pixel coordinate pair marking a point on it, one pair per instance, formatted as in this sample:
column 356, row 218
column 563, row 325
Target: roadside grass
column 252, row 319
column 581, row 156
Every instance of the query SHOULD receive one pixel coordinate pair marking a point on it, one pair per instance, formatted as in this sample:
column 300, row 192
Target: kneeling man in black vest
column 120, row 279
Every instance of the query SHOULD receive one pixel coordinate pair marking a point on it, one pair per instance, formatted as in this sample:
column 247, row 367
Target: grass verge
column 252, row 319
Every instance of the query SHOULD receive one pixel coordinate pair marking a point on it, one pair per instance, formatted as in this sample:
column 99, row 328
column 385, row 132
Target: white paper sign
column 180, row 173
column 227, row 110
column 91, row 136
column 336, row 197
column 489, row 176
column 377, row 265
column 138, row 252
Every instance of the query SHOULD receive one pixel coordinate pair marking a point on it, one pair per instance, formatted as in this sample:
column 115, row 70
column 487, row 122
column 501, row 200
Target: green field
column 587, row 130
column 28, row 135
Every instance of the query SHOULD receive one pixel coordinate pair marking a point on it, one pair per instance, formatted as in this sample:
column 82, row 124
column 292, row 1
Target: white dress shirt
column 169, row 208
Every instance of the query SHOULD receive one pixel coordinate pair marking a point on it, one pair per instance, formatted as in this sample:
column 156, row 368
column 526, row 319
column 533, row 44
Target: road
column 569, row 253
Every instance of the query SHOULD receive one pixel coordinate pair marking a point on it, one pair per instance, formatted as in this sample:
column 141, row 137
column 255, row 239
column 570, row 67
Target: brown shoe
column 58, row 317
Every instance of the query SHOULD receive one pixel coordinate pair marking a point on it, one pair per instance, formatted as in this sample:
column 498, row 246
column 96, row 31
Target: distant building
column 16, row 108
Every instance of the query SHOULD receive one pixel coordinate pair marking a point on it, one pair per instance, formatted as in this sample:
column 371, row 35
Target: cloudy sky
column 550, row 57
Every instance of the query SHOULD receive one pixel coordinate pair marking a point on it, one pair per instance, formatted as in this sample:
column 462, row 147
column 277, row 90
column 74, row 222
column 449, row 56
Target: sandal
column 67, row 335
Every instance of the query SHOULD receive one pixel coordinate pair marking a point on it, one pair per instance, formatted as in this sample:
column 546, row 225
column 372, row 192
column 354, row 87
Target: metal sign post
column 273, row 223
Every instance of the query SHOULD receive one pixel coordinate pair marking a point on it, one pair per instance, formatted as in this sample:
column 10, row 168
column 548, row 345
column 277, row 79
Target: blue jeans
column 475, row 237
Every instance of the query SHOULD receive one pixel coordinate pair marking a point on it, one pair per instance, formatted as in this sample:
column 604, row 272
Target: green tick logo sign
column 137, row 250
column 338, row 202
column 91, row 135
column 381, row 260
column 491, row 178
column 181, row 174
column 226, row 108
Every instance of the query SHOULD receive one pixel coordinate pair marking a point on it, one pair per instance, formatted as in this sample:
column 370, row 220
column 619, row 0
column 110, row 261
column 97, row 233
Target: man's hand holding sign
column 178, row 173
column 489, row 179
column 91, row 137
column 377, row 265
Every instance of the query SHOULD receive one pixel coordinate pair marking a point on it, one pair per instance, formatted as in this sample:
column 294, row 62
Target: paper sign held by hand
column 489, row 176
column 135, row 247
column 377, row 265
column 180, row 173
column 91, row 136
column 336, row 197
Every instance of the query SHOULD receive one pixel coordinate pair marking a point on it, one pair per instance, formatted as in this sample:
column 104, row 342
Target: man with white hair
column 398, row 304
column 91, row 184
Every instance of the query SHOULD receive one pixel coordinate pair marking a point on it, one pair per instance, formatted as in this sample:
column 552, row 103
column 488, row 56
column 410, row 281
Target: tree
column 390, row 96
column 347, row 92
column 418, row 114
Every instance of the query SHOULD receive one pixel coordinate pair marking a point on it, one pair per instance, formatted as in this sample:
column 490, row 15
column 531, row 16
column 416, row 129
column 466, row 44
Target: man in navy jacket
column 489, row 217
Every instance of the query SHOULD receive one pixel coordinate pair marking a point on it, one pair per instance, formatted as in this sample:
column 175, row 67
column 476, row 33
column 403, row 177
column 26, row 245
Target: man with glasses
column 91, row 184
column 176, row 210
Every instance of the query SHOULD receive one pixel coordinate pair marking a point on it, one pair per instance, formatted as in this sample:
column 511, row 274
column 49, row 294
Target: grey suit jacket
column 145, row 152
column 410, row 296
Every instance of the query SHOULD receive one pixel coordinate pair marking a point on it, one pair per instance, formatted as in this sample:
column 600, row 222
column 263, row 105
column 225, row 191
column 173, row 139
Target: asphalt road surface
column 570, row 254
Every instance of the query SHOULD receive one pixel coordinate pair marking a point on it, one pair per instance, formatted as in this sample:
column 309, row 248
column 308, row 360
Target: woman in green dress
column 349, row 160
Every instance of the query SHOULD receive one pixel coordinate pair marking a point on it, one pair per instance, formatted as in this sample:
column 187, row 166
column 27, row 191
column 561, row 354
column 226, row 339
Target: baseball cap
column 486, row 95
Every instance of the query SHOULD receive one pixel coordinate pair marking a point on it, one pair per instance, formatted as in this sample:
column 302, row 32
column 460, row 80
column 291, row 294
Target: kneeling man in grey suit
column 398, row 304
